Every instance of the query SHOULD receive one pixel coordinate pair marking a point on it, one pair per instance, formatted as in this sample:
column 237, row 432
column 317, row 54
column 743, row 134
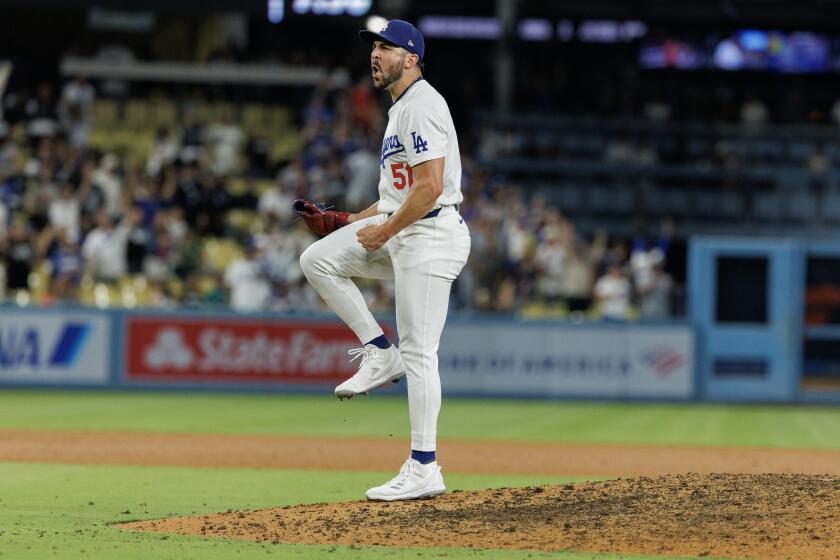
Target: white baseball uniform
column 423, row 259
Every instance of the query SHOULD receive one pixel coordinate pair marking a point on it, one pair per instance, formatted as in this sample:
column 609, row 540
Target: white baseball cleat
column 379, row 367
column 415, row 480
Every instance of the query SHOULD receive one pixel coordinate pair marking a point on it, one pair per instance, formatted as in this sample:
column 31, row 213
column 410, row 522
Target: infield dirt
column 770, row 517
column 354, row 454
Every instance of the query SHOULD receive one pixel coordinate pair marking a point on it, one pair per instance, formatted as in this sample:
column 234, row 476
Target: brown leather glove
column 319, row 221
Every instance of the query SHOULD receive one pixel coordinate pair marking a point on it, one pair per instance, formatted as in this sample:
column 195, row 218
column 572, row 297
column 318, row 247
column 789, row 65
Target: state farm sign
column 237, row 350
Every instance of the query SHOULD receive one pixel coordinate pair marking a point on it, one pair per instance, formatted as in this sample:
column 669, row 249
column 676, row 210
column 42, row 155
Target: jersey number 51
column 402, row 175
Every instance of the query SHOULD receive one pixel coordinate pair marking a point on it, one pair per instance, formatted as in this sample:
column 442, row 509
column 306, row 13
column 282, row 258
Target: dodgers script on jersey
column 419, row 129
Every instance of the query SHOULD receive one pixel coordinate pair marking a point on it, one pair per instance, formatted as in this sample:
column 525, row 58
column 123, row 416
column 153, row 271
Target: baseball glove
column 319, row 220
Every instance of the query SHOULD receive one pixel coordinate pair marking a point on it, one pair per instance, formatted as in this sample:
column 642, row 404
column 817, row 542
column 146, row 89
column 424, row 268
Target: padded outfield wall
column 59, row 347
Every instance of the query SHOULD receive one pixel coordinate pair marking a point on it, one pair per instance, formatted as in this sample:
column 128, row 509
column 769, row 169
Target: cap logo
column 385, row 28
column 410, row 42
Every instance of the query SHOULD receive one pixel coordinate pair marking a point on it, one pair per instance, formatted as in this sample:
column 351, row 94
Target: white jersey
column 419, row 129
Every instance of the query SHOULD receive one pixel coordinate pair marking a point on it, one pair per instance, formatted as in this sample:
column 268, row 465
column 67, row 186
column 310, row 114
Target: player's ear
column 410, row 61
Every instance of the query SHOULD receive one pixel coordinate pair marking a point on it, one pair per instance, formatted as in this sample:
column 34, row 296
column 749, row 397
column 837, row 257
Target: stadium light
column 535, row 30
column 276, row 11
column 375, row 23
column 331, row 7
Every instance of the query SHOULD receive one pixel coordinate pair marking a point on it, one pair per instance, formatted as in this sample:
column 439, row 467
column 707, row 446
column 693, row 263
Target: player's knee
column 309, row 260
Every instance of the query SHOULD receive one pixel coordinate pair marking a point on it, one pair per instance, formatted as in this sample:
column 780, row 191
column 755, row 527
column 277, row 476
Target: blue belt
column 431, row 214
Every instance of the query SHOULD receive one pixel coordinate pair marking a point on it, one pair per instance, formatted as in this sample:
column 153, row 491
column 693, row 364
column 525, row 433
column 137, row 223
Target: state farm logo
column 245, row 351
column 168, row 350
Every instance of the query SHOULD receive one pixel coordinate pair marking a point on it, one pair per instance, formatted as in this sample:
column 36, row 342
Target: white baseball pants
column 423, row 260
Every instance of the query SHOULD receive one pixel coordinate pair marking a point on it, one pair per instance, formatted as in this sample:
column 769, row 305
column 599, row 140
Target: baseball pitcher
column 414, row 235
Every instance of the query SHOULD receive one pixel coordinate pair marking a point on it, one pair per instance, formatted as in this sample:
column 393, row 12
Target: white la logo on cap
column 410, row 42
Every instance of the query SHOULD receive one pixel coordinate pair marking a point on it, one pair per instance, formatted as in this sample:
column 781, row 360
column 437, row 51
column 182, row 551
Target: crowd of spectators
column 752, row 139
column 80, row 218
column 527, row 256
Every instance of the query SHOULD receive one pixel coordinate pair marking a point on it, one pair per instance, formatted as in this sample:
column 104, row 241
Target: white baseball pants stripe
column 423, row 259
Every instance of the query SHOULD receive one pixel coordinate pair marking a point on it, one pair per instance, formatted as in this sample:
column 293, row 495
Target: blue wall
column 758, row 361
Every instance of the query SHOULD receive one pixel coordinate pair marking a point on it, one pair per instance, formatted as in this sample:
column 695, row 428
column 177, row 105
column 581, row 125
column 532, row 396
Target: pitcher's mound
column 770, row 517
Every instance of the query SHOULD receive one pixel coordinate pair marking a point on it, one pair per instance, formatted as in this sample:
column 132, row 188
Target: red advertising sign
column 220, row 349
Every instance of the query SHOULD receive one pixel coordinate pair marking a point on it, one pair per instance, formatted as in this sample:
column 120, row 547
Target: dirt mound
column 772, row 516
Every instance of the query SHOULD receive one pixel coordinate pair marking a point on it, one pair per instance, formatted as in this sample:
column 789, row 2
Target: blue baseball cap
column 400, row 33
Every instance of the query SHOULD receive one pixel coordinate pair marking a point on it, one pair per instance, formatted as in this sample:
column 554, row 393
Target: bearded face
column 386, row 62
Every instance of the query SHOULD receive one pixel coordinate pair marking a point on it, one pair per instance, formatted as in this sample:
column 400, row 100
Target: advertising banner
column 568, row 361
column 230, row 350
column 56, row 348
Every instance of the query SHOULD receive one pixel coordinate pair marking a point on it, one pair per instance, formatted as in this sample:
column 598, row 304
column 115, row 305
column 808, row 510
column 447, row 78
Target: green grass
column 382, row 416
column 63, row 511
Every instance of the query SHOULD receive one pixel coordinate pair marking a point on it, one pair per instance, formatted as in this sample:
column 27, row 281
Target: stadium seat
column 207, row 285
column 138, row 114
column 263, row 185
column 164, row 113
column 105, row 113
column 175, row 287
column 678, row 201
column 800, row 151
column 716, row 203
column 768, row 205
column 252, row 115
column 236, row 186
column 801, row 206
column 218, row 253
column 830, row 206
column 568, row 197
column 242, row 221
column 280, row 116
column 201, row 110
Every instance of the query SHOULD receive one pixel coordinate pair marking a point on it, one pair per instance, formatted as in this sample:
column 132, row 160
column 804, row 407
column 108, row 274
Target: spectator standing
column 363, row 105
column 214, row 205
column 89, row 195
column 579, row 273
column 550, row 262
column 41, row 116
column 277, row 201
column 226, row 140
column 258, row 150
column 109, row 181
column 9, row 151
column 612, row 292
column 249, row 289
column 189, row 193
column 76, row 111
column 13, row 183
column 64, row 212
column 4, row 218
column 66, row 267
column 18, row 253
column 362, row 167
column 164, row 151
column 137, row 244
column 644, row 255
column 655, row 294
column 105, row 247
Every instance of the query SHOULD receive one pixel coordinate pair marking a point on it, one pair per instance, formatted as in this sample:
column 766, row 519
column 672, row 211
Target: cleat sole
column 350, row 394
